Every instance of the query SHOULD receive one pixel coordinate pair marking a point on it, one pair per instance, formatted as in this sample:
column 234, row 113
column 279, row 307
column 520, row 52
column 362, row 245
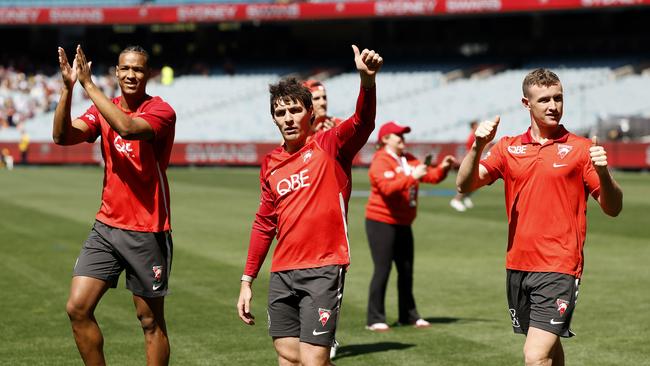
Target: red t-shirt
column 136, row 193
column 305, row 197
column 394, row 192
column 470, row 141
column 546, row 191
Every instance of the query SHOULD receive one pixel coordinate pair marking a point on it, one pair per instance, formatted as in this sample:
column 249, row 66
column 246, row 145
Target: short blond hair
column 539, row 77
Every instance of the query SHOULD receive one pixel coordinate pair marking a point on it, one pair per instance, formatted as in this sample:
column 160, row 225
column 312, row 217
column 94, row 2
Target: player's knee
column 315, row 361
column 77, row 310
column 288, row 362
column 148, row 323
column 536, row 357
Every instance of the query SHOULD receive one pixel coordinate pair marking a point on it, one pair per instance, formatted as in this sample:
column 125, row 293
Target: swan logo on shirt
column 389, row 174
column 90, row 117
column 293, row 183
column 306, row 155
column 562, row 150
column 123, row 147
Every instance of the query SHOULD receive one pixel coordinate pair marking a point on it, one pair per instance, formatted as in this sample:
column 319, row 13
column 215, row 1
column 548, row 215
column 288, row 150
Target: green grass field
column 46, row 213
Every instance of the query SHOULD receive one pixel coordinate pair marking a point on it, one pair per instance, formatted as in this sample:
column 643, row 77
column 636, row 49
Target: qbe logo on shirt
column 517, row 149
column 293, row 183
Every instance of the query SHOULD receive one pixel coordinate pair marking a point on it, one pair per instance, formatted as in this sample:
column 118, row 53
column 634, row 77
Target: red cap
column 392, row 127
column 313, row 85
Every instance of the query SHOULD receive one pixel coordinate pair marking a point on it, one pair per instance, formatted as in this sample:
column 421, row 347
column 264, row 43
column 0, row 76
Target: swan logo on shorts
column 562, row 150
column 324, row 315
column 157, row 277
column 562, row 306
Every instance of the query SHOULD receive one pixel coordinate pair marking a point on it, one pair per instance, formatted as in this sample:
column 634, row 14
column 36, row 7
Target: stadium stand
column 75, row 3
column 235, row 108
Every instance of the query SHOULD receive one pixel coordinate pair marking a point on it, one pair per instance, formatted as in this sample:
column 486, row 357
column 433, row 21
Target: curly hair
column 539, row 77
column 289, row 90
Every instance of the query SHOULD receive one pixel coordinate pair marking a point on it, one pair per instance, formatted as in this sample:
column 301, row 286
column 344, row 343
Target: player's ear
column 525, row 102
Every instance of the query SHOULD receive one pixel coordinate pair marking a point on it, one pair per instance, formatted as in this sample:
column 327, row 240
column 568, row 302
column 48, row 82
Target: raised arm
column 66, row 131
column 368, row 63
column 472, row 175
column 353, row 134
column 127, row 127
column 611, row 195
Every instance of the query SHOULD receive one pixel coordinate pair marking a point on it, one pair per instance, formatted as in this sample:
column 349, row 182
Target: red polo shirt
column 546, row 191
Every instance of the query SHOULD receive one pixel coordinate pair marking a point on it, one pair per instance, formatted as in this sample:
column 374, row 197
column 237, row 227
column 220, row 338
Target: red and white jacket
column 393, row 191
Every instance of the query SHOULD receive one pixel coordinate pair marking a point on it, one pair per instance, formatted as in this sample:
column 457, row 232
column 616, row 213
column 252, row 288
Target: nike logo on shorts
column 553, row 322
column 156, row 287
column 319, row 333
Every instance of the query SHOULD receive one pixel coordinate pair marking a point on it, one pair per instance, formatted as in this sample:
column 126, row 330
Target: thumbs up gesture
column 486, row 131
column 598, row 154
column 368, row 63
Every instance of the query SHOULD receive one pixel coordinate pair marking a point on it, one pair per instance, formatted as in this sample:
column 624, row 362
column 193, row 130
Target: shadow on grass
column 362, row 349
column 445, row 320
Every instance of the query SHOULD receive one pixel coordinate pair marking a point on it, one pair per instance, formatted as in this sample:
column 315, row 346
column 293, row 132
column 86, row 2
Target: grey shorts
column 146, row 257
column 305, row 303
column 543, row 300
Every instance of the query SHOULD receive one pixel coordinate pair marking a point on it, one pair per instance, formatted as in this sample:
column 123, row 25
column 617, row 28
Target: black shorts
column 305, row 303
column 147, row 258
column 543, row 300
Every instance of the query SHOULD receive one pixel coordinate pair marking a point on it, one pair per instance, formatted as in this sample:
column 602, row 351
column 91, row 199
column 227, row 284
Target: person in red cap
column 322, row 122
column 394, row 179
column 548, row 174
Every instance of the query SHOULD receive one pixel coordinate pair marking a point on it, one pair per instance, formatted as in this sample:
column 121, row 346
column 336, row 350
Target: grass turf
column 46, row 213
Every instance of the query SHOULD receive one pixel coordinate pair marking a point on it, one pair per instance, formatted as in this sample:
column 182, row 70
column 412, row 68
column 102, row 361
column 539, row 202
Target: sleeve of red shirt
column 391, row 183
column 263, row 231
column 589, row 175
column 494, row 162
column 470, row 141
column 160, row 116
column 91, row 118
column 435, row 174
column 353, row 133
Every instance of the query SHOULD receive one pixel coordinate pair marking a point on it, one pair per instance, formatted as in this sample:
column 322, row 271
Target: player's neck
column 294, row 146
column 130, row 103
column 541, row 134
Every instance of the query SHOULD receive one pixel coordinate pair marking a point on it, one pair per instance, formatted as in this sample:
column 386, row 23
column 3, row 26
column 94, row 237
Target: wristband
column 247, row 278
